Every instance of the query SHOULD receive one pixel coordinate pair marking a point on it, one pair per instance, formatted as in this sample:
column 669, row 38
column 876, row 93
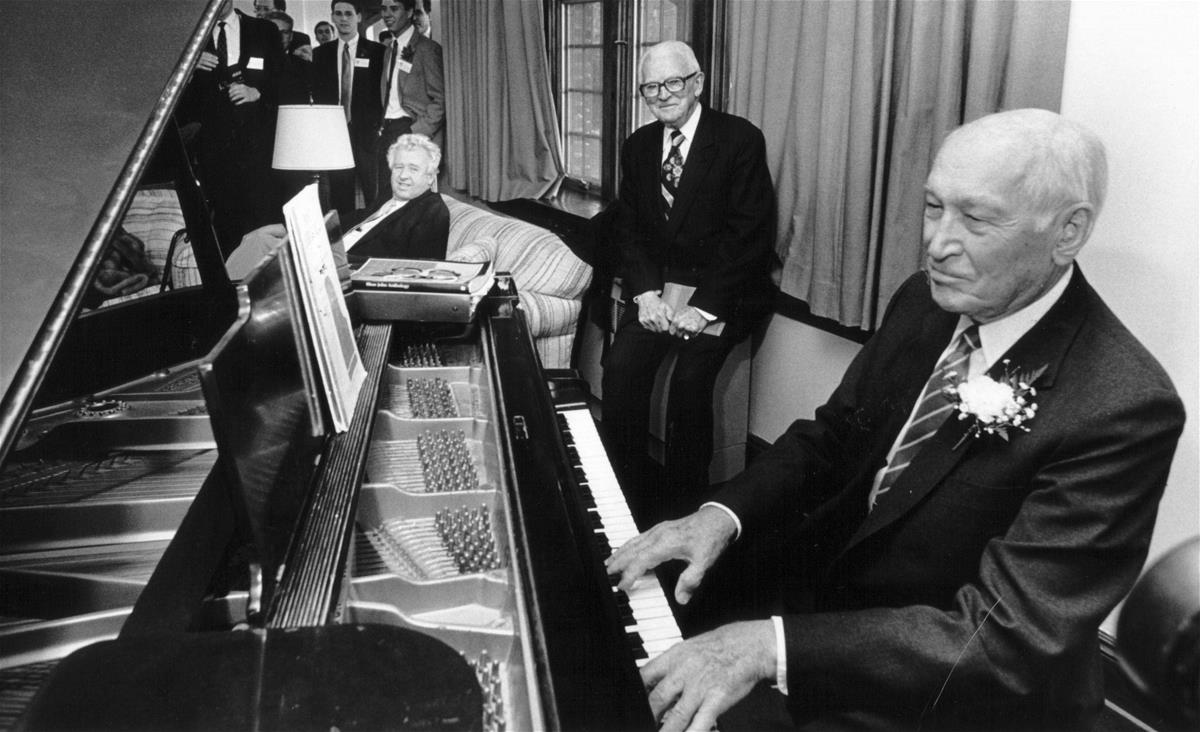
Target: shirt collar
column 405, row 36
column 688, row 128
column 996, row 337
column 353, row 42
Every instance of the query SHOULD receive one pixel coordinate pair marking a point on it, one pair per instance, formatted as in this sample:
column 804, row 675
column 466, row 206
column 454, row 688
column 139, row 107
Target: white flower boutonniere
column 994, row 405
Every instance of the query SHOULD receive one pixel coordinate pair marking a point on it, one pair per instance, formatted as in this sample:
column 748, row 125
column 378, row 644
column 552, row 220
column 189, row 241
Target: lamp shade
column 312, row 137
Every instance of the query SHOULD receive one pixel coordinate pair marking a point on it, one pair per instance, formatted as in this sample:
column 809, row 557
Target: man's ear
column 1073, row 232
column 699, row 83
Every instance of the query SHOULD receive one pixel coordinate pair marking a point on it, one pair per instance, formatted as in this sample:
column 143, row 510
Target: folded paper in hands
column 677, row 296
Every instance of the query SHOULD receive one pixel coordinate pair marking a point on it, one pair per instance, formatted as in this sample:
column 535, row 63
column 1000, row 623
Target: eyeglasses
column 673, row 85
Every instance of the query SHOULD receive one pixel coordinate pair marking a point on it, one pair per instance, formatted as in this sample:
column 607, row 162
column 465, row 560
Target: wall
column 1131, row 76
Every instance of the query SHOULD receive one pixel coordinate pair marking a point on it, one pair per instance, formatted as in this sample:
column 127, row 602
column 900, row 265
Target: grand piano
column 184, row 542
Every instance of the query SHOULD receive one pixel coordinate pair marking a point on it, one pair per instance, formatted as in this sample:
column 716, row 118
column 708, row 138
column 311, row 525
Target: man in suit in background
column 295, row 40
column 696, row 208
column 413, row 87
column 947, row 572
column 414, row 222
column 293, row 86
column 347, row 73
column 234, row 95
column 324, row 32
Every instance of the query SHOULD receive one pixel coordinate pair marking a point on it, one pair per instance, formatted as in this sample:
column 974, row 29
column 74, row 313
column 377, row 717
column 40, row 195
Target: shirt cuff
column 737, row 522
column 705, row 314
column 638, row 298
column 780, row 656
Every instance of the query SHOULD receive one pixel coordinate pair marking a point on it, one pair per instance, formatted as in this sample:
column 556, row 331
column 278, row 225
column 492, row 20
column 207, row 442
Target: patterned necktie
column 347, row 79
column 672, row 170
column 931, row 411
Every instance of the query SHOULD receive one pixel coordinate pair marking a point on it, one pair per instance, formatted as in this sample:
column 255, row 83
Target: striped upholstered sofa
column 550, row 279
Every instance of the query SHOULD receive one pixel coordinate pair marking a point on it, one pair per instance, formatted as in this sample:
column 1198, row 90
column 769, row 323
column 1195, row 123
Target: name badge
column 405, row 66
column 362, row 63
column 254, row 63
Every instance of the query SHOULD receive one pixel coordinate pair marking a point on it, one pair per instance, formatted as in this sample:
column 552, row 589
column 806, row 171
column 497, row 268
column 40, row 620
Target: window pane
column 658, row 20
column 583, row 95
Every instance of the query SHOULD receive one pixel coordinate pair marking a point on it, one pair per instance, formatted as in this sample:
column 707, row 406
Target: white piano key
column 654, row 625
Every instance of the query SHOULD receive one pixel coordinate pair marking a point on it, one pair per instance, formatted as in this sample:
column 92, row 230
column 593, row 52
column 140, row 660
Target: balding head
column 1061, row 162
column 1009, row 202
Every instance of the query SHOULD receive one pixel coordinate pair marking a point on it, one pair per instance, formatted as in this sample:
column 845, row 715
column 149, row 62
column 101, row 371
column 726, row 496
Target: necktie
column 672, row 170
column 387, row 83
column 932, row 410
column 347, row 79
column 222, row 51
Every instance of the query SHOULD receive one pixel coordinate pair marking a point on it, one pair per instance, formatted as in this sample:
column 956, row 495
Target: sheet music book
column 342, row 372
column 677, row 296
column 423, row 275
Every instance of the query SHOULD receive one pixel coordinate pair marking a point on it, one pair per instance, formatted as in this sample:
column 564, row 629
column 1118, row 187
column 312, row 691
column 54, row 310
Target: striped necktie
column 931, row 411
column 347, row 78
column 672, row 170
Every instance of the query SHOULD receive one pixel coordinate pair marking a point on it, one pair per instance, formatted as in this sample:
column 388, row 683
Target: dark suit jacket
column 418, row 230
column 423, row 88
column 236, row 141
column 971, row 596
column 299, row 38
column 364, row 96
column 721, row 230
column 261, row 64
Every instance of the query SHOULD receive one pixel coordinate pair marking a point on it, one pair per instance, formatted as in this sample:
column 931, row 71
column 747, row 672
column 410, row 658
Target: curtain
column 854, row 97
column 502, row 139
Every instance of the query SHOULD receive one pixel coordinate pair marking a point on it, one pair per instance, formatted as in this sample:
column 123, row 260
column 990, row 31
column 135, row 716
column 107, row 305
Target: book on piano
column 423, row 275
column 422, row 290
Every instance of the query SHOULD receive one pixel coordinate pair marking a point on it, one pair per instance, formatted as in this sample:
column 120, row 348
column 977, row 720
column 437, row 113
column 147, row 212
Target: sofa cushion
column 538, row 260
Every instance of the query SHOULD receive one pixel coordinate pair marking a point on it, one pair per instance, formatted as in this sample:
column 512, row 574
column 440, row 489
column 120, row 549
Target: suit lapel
column 695, row 169
column 1045, row 344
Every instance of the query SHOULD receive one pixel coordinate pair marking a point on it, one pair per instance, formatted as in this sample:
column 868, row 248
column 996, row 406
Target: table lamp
column 312, row 138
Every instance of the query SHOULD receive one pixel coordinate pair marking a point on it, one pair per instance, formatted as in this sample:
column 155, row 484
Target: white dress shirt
column 355, row 235
column 688, row 128
column 393, row 110
column 353, row 44
column 233, row 37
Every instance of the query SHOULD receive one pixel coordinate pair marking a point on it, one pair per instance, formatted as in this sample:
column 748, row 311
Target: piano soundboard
column 485, row 514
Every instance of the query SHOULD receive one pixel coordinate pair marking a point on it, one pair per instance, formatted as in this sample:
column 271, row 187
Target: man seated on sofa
column 414, row 221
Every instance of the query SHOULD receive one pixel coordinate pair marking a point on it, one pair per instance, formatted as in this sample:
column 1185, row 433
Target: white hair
column 678, row 49
column 414, row 141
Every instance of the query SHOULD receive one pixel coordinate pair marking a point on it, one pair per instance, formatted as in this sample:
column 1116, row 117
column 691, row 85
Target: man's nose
column 943, row 237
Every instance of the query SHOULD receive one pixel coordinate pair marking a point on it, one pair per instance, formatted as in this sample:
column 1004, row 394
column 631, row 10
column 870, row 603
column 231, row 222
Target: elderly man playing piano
column 948, row 571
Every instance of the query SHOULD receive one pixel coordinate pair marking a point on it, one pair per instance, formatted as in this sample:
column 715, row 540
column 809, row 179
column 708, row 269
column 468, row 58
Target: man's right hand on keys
column 698, row 539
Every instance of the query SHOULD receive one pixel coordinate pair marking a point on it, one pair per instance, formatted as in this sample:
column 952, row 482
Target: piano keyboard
column 649, row 623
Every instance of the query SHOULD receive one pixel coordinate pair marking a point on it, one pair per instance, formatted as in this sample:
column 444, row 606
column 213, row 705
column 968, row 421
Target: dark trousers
column 342, row 182
column 391, row 129
column 235, row 167
column 630, row 368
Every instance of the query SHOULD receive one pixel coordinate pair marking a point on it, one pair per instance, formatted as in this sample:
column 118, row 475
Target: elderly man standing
column 949, row 572
column 414, row 222
column 696, row 210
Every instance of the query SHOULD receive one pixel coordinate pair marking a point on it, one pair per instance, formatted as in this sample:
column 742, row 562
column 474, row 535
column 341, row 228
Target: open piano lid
column 81, row 109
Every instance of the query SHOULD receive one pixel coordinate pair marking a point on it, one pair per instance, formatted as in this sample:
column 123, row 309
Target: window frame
column 618, row 44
